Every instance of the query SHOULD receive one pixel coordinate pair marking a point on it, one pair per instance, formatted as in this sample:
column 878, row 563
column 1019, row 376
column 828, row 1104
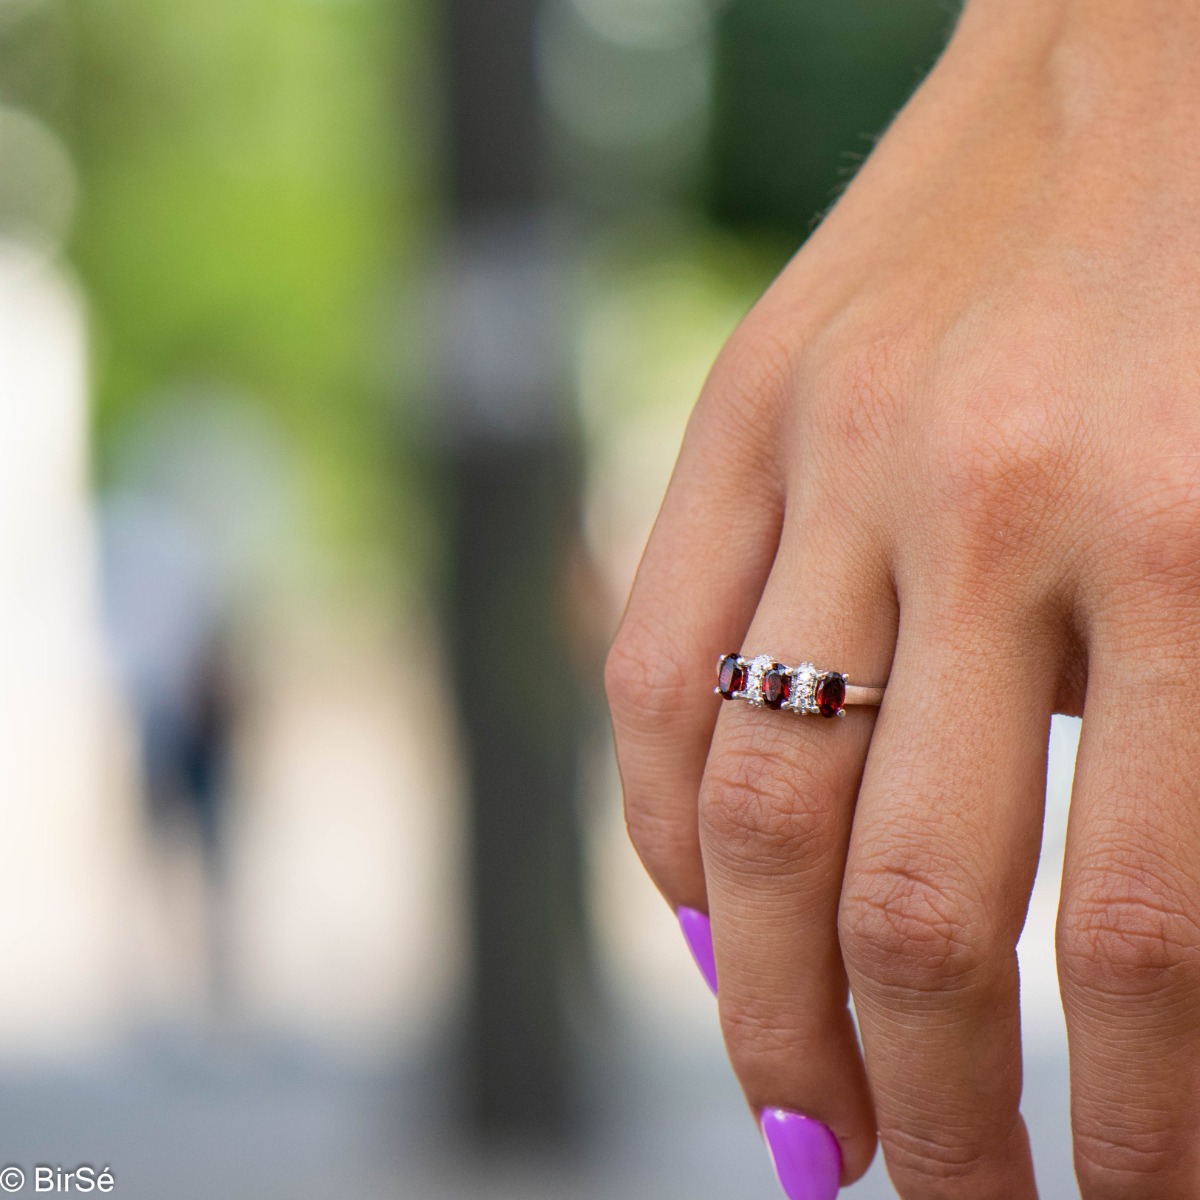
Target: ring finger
column 777, row 803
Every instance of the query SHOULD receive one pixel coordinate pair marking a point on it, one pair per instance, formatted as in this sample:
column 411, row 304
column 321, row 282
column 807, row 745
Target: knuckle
column 1112, row 1159
column 938, row 1162
column 1158, row 522
column 906, row 932
column 1118, row 937
column 858, row 389
column 759, row 1034
column 643, row 679
column 752, row 382
column 994, row 465
column 758, row 807
column 997, row 449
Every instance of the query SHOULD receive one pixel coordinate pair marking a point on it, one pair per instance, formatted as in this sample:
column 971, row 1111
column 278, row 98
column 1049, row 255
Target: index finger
column 695, row 592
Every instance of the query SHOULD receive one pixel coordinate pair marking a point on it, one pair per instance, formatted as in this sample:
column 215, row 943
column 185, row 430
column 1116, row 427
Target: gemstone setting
column 776, row 686
column 766, row 683
column 731, row 676
column 831, row 694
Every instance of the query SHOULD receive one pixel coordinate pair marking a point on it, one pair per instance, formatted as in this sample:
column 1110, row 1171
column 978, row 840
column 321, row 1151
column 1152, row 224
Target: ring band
column 766, row 683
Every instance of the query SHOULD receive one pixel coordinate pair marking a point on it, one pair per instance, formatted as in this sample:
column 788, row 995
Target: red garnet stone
column 731, row 677
column 831, row 694
column 776, row 686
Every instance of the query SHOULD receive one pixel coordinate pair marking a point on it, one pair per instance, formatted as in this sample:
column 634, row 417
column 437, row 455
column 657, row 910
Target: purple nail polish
column 697, row 932
column 807, row 1157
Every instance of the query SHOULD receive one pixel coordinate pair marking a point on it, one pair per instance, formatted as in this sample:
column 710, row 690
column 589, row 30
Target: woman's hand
column 956, row 448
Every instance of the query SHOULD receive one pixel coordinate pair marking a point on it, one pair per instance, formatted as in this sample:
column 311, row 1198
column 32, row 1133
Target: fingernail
column 697, row 932
column 806, row 1155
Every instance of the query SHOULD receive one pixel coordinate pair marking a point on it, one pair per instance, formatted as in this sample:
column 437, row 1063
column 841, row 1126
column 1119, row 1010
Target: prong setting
column 804, row 689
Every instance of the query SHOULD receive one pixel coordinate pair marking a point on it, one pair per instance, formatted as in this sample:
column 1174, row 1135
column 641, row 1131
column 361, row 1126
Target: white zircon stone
column 754, row 677
column 804, row 688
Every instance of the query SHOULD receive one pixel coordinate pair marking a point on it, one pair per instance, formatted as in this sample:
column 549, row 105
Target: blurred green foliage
column 802, row 88
column 252, row 194
column 35, row 59
column 255, row 190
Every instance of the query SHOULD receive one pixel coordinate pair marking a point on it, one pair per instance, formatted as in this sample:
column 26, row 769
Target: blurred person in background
column 183, row 541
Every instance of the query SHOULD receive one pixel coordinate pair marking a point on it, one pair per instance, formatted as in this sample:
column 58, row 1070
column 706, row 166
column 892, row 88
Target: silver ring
column 766, row 683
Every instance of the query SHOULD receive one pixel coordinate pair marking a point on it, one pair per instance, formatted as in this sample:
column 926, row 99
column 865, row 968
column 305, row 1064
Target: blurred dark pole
column 512, row 475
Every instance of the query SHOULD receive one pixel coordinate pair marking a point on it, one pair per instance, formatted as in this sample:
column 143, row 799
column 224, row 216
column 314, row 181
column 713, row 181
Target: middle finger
column 940, row 867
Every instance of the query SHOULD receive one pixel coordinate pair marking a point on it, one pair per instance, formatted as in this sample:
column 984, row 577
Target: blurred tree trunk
column 512, row 470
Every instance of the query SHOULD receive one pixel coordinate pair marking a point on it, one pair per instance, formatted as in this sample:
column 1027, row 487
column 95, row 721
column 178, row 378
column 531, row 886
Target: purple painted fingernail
column 807, row 1157
column 697, row 932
